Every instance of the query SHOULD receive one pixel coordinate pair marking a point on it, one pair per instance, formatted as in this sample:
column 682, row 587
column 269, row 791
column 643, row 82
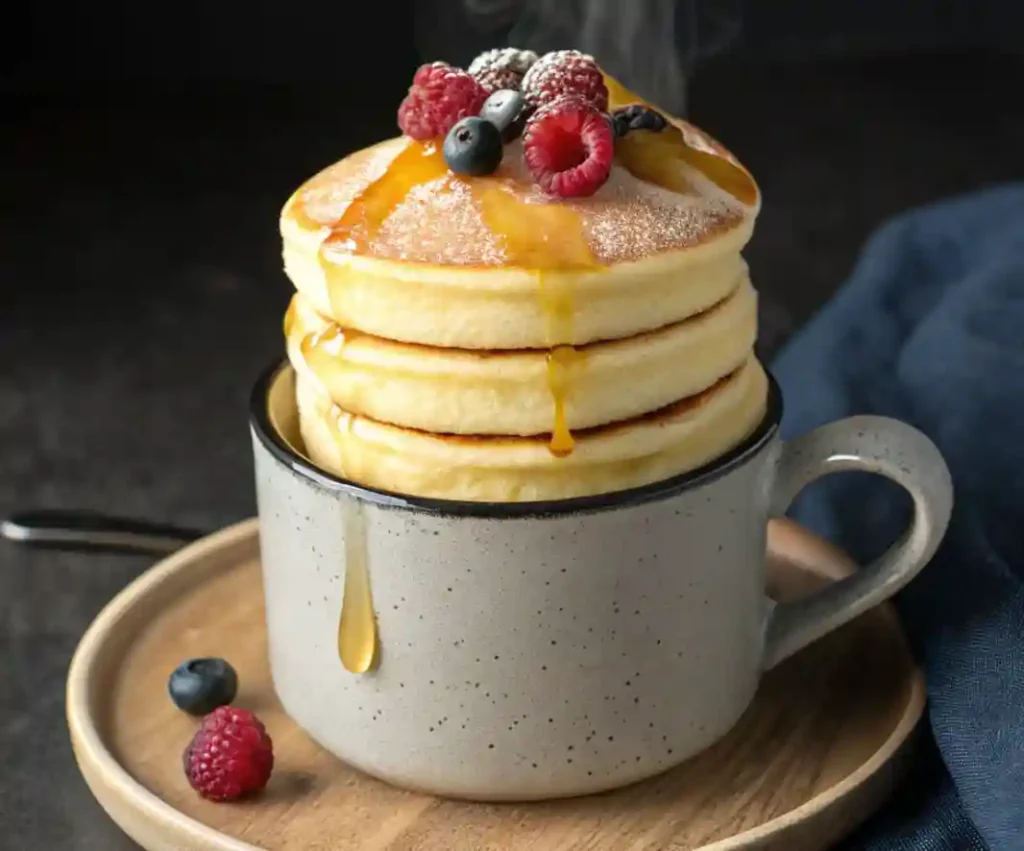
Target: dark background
column 145, row 153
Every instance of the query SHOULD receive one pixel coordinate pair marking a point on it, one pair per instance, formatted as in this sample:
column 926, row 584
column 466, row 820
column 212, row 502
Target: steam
column 651, row 46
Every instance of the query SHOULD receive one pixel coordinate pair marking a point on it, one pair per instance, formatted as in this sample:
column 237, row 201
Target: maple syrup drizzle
column 289, row 318
column 557, row 298
column 324, row 353
column 357, row 626
column 560, row 362
column 417, row 163
column 550, row 240
column 330, row 340
column 556, row 295
column 535, row 236
column 300, row 215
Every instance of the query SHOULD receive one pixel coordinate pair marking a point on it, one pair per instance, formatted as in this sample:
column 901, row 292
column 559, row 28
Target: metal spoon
column 89, row 531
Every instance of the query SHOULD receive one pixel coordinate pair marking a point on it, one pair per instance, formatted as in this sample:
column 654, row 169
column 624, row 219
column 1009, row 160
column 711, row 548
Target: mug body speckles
column 529, row 651
column 525, row 657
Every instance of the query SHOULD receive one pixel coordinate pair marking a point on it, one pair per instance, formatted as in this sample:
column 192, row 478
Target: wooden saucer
column 821, row 747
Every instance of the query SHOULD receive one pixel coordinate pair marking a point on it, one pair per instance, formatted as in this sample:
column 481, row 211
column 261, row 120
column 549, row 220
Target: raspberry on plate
column 230, row 755
column 502, row 68
column 439, row 97
column 568, row 146
column 565, row 72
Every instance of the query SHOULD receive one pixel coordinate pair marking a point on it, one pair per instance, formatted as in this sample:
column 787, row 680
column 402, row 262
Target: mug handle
column 876, row 445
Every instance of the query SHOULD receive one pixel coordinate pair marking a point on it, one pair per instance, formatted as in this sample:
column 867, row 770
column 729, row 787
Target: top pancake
column 389, row 242
column 439, row 218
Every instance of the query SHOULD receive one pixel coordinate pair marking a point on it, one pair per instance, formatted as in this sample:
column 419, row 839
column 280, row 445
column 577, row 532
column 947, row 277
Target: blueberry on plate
column 199, row 686
column 473, row 146
column 507, row 110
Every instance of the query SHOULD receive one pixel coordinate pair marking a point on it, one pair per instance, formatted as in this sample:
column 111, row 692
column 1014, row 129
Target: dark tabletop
column 142, row 293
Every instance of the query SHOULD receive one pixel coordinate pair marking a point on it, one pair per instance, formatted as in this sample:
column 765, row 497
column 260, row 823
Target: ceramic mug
column 541, row 650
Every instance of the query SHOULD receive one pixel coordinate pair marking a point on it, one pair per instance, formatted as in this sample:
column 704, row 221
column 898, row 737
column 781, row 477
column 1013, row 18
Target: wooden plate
column 820, row 748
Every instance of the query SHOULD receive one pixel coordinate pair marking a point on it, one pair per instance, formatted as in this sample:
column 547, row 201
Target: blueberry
column 506, row 109
column 199, row 686
column 619, row 124
column 473, row 146
column 637, row 117
column 650, row 120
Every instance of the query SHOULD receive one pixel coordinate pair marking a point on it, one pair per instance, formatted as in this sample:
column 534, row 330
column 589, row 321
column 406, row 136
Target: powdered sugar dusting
column 439, row 222
column 326, row 196
column 629, row 219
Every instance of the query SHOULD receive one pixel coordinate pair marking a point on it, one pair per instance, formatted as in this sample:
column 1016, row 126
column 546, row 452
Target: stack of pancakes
column 471, row 339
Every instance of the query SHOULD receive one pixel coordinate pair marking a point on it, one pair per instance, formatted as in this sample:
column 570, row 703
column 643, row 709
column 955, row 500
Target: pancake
column 511, row 392
column 618, row 456
column 390, row 243
column 471, row 338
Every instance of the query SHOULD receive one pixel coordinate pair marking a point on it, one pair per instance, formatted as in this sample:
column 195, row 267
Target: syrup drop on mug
column 357, row 628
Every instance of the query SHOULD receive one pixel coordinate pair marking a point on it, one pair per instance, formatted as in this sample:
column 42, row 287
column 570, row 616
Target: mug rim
column 274, row 443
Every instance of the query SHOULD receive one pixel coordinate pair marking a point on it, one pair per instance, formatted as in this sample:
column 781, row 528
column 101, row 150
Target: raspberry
column 568, row 146
column 502, row 68
column 230, row 755
column 439, row 97
column 565, row 72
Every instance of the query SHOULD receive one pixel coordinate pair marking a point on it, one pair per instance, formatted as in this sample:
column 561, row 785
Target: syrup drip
column 357, row 627
column 548, row 238
column 556, row 295
column 300, row 215
column 289, row 318
column 331, row 340
column 560, row 362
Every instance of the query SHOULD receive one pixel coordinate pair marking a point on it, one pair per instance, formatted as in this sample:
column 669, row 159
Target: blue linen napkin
column 930, row 329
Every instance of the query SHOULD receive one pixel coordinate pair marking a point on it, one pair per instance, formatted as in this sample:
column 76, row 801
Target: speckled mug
column 532, row 650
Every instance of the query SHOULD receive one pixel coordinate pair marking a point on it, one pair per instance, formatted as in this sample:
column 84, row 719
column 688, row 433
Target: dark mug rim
column 274, row 443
